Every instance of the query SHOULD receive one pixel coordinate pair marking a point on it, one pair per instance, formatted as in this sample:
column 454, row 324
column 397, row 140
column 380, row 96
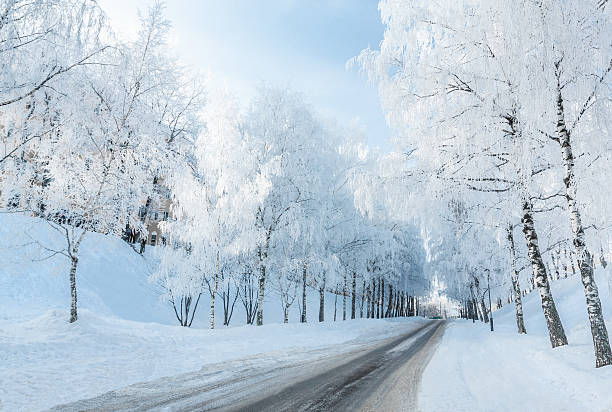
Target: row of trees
column 268, row 197
column 267, row 202
column 506, row 109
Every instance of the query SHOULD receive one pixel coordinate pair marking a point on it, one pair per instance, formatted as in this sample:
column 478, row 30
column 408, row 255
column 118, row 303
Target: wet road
column 381, row 376
column 369, row 382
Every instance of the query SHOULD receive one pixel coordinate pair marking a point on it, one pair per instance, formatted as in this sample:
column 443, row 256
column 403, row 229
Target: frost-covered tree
column 50, row 39
column 101, row 165
column 215, row 198
column 576, row 58
column 42, row 43
column 284, row 136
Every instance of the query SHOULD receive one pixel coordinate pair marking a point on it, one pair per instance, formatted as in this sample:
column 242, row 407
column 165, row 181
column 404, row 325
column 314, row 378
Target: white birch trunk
column 353, row 307
column 322, row 299
column 553, row 321
column 520, row 324
column 382, row 299
column 73, row 291
column 321, row 304
column 480, row 297
column 599, row 332
column 344, row 299
column 73, row 253
column 303, row 318
column 260, row 294
column 213, row 294
column 556, row 262
column 368, row 304
column 335, row 305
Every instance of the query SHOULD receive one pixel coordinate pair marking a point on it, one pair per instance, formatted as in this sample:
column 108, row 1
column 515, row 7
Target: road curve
column 384, row 376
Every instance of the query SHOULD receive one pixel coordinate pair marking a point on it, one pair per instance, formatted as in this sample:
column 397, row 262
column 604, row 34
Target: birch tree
column 102, row 165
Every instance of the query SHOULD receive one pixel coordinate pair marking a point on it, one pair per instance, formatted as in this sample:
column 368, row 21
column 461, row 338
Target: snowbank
column 46, row 361
column 112, row 279
column 476, row 370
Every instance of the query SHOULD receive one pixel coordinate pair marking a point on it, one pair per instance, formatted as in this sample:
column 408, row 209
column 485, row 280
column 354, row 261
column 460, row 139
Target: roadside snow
column 46, row 361
column 476, row 370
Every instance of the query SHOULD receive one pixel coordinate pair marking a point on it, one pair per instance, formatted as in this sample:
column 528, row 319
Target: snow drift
column 475, row 369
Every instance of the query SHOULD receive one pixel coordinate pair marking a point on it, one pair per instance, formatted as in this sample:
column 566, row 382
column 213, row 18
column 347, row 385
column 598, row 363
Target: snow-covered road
column 381, row 375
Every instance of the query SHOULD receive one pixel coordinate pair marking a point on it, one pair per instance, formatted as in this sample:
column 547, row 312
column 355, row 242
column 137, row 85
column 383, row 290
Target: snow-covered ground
column 47, row 361
column 476, row 370
column 126, row 333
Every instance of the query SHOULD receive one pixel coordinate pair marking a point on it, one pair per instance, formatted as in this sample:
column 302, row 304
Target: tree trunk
column 260, row 294
column 480, row 297
column 213, row 294
column 382, row 298
column 344, row 298
column 248, row 297
column 73, row 290
column 363, row 297
column 553, row 321
column 470, row 308
column 565, row 272
column 226, row 297
column 303, row 319
column 389, row 303
column 378, row 302
column 485, row 312
column 556, row 262
column 321, row 304
column 398, row 304
column 286, row 314
column 368, row 305
column 477, row 313
column 603, row 353
column 229, row 304
column 335, row 305
column 520, row 324
column 354, row 295
column 373, row 299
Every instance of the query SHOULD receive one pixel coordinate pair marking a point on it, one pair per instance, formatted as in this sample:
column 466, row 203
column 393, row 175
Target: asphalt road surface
column 383, row 376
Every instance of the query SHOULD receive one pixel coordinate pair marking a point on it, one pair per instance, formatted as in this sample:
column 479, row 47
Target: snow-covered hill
column 112, row 280
column 475, row 369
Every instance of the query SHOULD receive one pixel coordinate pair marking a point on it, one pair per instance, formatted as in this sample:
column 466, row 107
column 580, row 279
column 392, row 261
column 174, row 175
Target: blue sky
column 300, row 44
